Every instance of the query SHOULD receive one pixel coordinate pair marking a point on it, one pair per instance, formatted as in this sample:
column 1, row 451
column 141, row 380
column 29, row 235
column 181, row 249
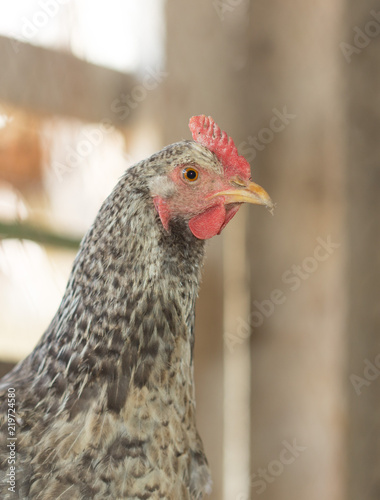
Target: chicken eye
column 190, row 174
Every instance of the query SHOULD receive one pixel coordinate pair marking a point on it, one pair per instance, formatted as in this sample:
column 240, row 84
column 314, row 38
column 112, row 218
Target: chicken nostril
column 238, row 181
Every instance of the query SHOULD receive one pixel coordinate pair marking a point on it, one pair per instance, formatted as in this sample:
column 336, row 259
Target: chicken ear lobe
column 163, row 211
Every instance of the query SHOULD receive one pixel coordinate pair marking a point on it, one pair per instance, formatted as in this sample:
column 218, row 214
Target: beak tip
column 263, row 197
column 271, row 207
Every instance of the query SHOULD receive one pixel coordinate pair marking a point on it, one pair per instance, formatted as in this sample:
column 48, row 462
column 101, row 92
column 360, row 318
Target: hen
column 104, row 405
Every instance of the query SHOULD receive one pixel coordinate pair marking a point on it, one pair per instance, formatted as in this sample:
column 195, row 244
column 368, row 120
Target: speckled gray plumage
column 105, row 402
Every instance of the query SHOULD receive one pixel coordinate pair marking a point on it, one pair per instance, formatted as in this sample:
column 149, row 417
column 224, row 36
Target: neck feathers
column 128, row 312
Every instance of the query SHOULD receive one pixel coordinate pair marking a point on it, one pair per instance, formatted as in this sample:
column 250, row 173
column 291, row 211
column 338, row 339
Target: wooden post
column 362, row 64
column 296, row 142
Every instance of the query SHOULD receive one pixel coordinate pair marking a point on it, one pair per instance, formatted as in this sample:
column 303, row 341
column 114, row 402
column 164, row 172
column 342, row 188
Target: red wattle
column 208, row 223
column 230, row 212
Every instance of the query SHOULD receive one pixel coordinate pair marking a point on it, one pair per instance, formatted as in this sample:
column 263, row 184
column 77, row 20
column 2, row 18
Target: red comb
column 206, row 132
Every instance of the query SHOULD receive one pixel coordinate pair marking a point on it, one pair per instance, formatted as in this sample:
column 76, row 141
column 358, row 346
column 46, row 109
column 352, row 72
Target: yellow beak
column 248, row 193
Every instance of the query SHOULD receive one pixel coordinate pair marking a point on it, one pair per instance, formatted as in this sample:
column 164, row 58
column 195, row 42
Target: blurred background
column 287, row 344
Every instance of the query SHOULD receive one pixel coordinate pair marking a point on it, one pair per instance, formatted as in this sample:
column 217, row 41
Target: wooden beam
column 26, row 231
column 52, row 82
